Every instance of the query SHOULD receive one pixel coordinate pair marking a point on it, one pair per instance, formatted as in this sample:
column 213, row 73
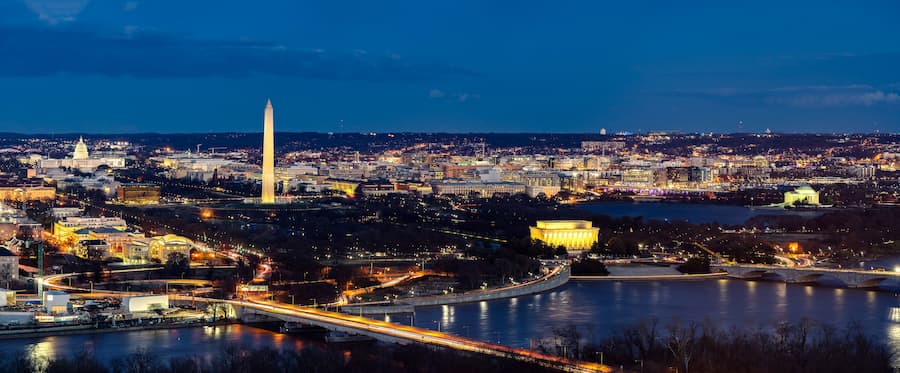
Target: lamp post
column 292, row 299
column 438, row 322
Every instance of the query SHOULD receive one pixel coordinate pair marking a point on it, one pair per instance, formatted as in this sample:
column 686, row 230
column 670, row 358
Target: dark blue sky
column 458, row 66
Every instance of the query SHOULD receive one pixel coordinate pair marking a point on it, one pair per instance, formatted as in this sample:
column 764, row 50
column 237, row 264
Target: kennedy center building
column 575, row 235
column 268, row 163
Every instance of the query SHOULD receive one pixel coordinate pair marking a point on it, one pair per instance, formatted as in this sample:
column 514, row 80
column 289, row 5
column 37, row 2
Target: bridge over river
column 254, row 310
column 852, row 278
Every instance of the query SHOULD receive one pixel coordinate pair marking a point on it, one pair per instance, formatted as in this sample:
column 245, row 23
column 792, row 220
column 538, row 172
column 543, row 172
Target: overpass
column 851, row 277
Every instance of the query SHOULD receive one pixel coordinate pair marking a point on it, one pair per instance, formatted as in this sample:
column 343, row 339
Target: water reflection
column 202, row 342
column 42, row 351
column 599, row 307
column 893, row 334
column 608, row 306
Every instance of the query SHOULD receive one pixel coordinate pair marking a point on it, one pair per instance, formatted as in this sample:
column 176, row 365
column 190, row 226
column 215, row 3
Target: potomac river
column 690, row 212
column 598, row 308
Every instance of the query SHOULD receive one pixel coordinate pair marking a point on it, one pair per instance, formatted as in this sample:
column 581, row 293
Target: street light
column 438, row 322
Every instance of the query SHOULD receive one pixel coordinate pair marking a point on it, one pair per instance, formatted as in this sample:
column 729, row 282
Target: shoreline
column 90, row 329
column 408, row 305
column 681, row 277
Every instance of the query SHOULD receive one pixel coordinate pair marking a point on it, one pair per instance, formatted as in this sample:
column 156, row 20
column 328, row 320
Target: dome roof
column 172, row 239
column 81, row 151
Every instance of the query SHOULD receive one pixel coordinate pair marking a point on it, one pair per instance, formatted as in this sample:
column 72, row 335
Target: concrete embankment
column 378, row 310
column 91, row 329
column 702, row 276
column 551, row 281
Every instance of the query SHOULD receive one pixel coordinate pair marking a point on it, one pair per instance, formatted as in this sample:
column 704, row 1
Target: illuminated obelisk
column 268, row 165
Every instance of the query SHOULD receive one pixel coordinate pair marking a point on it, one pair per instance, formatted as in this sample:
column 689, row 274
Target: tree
column 177, row 264
column 695, row 265
column 589, row 267
column 682, row 343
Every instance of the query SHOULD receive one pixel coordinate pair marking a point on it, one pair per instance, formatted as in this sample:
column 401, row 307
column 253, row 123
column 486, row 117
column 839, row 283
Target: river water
column 598, row 308
column 203, row 342
column 693, row 213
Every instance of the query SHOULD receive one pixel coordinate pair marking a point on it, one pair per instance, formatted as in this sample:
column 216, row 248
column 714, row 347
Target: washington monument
column 268, row 165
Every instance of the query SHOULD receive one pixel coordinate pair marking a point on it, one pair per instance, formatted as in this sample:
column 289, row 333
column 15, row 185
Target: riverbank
column 557, row 277
column 681, row 277
column 696, row 213
column 93, row 329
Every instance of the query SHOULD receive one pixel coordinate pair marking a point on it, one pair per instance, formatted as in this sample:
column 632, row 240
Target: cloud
column 452, row 97
column 130, row 6
column 42, row 51
column 835, row 99
column 56, row 11
column 814, row 96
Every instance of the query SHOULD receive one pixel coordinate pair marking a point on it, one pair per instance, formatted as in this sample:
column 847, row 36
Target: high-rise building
column 268, row 165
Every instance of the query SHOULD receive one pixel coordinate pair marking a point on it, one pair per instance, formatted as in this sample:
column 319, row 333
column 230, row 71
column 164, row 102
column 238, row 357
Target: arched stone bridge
column 852, row 278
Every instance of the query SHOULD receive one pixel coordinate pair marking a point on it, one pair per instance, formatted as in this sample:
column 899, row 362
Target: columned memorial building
column 574, row 235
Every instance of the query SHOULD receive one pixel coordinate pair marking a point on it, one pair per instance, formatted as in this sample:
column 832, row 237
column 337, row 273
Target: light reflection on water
column 596, row 308
column 203, row 342
column 602, row 308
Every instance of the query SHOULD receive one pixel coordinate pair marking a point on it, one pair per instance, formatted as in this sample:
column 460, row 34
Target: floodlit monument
column 268, row 164
column 804, row 195
column 83, row 160
column 574, row 235
column 81, row 150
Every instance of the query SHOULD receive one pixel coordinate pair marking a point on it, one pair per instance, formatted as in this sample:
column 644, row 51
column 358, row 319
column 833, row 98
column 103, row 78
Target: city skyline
column 454, row 186
column 462, row 67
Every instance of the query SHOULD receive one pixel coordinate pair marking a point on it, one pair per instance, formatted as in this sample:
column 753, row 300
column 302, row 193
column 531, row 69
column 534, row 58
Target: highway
column 415, row 335
column 361, row 325
column 889, row 274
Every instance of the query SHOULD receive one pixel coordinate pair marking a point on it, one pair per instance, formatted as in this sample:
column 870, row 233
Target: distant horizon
column 618, row 133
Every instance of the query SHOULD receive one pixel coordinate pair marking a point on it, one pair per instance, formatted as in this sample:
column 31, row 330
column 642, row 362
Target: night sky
column 448, row 66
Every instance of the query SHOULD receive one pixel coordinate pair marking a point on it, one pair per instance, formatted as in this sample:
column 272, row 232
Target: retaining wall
column 547, row 283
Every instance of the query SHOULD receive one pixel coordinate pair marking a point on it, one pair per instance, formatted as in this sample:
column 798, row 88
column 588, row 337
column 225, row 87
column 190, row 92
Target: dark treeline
column 873, row 230
column 805, row 346
column 514, row 259
column 234, row 359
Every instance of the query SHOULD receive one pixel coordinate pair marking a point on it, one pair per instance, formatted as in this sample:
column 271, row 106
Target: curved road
column 397, row 331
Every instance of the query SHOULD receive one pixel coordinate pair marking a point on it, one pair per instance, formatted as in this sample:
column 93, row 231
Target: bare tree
column 682, row 341
column 642, row 336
